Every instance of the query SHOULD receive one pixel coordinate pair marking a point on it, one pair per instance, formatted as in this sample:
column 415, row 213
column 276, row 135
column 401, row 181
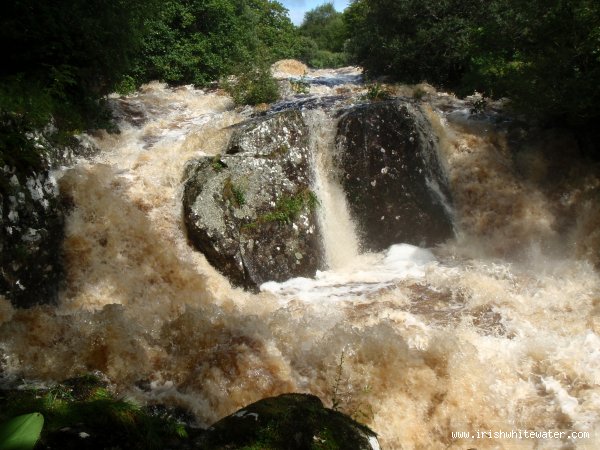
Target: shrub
column 126, row 86
column 377, row 92
column 289, row 207
column 326, row 59
column 87, row 403
column 252, row 86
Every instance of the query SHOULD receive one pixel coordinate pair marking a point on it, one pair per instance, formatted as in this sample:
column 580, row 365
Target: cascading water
column 416, row 344
column 339, row 237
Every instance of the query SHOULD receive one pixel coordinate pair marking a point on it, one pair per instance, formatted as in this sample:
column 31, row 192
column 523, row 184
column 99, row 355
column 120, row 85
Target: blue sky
column 297, row 8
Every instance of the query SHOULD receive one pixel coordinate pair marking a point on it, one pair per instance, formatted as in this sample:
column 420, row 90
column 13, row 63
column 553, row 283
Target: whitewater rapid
column 496, row 330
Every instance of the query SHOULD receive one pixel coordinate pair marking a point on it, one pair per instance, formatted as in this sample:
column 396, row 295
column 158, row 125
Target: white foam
column 364, row 275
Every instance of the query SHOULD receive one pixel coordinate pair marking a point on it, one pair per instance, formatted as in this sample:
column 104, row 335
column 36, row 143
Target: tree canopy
column 543, row 54
column 323, row 36
column 60, row 56
column 197, row 41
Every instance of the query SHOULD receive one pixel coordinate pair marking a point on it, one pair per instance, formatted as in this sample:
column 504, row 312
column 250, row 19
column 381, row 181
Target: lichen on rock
column 31, row 231
column 394, row 182
column 251, row 211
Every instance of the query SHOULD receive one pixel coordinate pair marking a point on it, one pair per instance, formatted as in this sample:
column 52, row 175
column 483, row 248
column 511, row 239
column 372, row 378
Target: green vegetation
column 217, row 164
column 377, row 92
column 22, row 432
column 543, row 55
column 300, row 86
column 289, row 207
column 87, row 404
column 323, row 34
column 411, row 40
column 198, row 41
column 61, row 58
column 252, row 86
column 233, row 193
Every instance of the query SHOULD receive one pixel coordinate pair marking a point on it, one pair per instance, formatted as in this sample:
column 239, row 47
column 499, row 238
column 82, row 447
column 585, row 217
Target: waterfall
column 461, row 339
column 339, row 235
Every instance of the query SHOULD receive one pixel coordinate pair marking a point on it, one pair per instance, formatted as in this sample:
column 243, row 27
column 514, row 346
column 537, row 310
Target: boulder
column 31, row 233
column 395, row 185
column 251, row 211
column 289, row 421
column 31, row 209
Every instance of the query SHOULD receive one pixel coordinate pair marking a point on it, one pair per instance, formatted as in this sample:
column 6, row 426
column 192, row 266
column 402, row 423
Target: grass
column 233, row 193
column 217, row 164
column 376, row 92
column 287, row 209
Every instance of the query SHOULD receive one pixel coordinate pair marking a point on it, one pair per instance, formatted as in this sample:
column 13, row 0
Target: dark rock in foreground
column 86, row 413
column 251, row 211
column 392, row 177
column 289, row 421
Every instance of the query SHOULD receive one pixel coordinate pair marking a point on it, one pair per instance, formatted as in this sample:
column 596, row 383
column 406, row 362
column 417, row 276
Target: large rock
column 31, row 232
column 251, row 211
column 31, row 209
column 394, row 183
column 289, row 421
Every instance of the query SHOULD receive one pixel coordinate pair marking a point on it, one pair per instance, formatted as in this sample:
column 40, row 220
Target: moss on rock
column 289, row 421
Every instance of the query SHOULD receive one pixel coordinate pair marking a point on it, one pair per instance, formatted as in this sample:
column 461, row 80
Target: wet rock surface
column 32, row 216
column 31, row 233
column 394, row 183
column 251, row 211
column 289, row 421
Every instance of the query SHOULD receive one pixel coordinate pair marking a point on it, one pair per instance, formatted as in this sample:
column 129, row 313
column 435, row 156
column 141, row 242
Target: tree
column 542, row 54
column 197, row 41
column 60, row 56
column 412, row 40
column 326, row 27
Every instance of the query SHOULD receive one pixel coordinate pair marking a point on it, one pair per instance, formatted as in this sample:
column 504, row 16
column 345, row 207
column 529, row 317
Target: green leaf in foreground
column 21, row 432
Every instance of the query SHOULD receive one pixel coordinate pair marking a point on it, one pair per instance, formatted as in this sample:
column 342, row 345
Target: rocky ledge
column 32, row 211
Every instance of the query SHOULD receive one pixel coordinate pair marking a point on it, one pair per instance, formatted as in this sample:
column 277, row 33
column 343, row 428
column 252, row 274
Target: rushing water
column 496, row 330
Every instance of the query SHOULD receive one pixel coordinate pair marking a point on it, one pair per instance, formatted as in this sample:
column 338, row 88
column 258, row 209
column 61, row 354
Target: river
column 497, row 329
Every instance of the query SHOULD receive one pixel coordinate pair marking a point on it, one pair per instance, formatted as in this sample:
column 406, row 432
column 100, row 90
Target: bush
column 87, row 404
column 60, row 57
column 252, row 86
column 326, row 59
column 126, row 86
column 413, row 40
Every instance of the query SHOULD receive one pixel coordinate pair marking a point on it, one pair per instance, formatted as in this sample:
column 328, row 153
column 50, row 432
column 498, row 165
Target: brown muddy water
column 495, row 330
